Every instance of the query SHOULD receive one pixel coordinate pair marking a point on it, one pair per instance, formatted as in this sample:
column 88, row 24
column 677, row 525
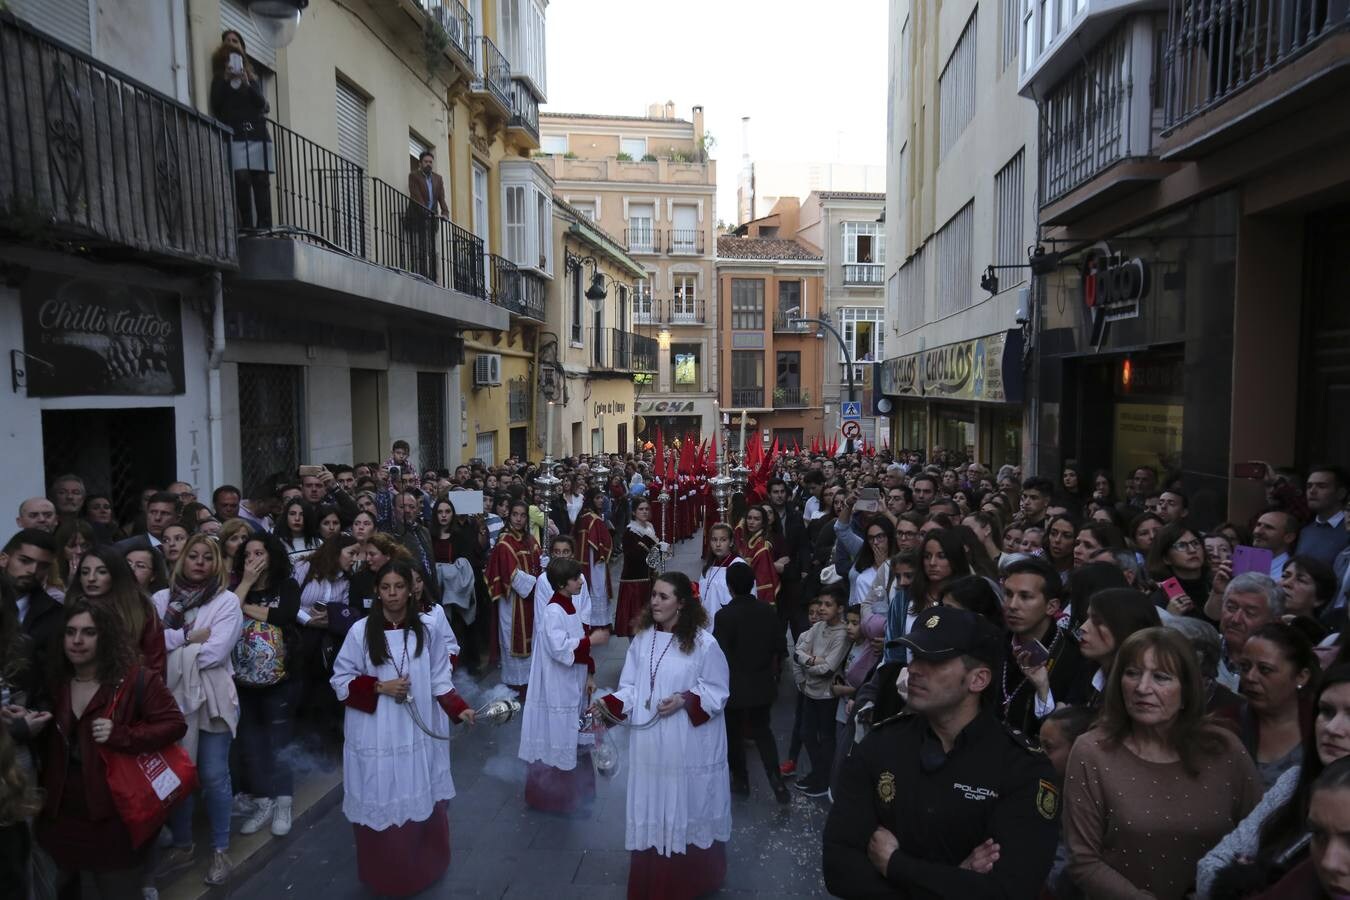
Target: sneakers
column 262, row 814
column 810, row 790
column 244, row 806
column 177, row 860
column 281, row 817
column 219, row 871
column 788, row 769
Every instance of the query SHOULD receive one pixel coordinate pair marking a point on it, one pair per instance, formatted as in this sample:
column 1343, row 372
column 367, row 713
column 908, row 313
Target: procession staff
column 594, row 548
column 511, row 572
column 674, row 685
column 396, row 778
column 559, row 778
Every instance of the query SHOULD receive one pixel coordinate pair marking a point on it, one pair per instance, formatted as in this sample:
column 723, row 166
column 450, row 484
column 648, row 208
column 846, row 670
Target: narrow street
column 503, row 849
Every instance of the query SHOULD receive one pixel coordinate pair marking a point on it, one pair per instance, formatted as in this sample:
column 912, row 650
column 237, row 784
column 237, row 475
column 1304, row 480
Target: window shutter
column 234, row 16
column 65, row 20
column 351, row 125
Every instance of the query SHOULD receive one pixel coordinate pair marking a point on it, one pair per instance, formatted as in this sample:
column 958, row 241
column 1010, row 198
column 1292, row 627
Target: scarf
column 646, row 530
column 184, row 596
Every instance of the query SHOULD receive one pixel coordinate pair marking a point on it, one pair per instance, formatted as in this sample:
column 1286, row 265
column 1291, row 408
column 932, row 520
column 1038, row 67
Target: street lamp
column 277, row 20
column 597, row 291
column 824, row 322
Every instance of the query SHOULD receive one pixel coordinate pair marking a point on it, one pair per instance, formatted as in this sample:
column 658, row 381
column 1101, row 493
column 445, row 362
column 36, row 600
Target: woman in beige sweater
column 1155, row 785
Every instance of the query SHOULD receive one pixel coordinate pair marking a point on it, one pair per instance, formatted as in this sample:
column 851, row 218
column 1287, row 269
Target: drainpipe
column 215, row 427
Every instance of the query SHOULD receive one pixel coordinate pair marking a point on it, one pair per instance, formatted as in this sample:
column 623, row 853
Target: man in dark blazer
column 751, row 637
column 24, row 563
column 427, row 190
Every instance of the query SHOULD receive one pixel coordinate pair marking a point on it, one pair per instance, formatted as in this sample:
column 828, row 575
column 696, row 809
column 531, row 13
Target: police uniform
column 993, row 784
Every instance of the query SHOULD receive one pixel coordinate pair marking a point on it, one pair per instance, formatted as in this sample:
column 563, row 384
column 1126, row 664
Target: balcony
column 96, row 160
column 1228, row 66
column 646, row 310
column 338, row 233
column 520, row 292
column 747, row 397
column 456, row 31
column 677, row 311
column 524, row 114
column 1098, row 128
column 493, row 82
column 659, row 171
column 643, row 239
column 685, row 242
column 614, row 349
column 868, row 274
column 789, row 397
column 785, row 324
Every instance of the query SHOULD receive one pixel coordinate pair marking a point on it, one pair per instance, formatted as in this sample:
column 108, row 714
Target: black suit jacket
column 751, row 637
column 42, row 625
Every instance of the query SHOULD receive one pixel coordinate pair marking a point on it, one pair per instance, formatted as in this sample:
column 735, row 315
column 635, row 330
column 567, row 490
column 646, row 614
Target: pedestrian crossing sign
column 852, row 409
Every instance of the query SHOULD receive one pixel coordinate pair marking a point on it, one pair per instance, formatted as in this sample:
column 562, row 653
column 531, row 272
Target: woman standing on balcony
column 238, row 101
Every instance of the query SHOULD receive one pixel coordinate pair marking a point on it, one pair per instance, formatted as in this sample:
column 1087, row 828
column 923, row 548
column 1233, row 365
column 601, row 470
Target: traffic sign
column 851, row 430
column 851, row 409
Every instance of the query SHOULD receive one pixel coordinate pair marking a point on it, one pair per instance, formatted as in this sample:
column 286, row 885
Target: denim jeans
column 818, row 735
column 213, row 771
column 266, row 720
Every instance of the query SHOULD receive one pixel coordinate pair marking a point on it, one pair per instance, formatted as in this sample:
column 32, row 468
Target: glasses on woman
column 1187, row 545
column 877, row 536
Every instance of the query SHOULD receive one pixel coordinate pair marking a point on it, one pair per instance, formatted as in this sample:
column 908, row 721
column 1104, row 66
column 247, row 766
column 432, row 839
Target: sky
column 810, row 75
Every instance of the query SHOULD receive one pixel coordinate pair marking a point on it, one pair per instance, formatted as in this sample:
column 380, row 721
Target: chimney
column 670, row 109
column 745, row 140
column 698, row 128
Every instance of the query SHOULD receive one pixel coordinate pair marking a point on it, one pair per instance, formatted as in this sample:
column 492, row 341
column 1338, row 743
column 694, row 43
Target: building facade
column 849, row 229
column 763, row 182
column 774, row 365
column 648, row 181
column 1190, row 319
column 960, row 197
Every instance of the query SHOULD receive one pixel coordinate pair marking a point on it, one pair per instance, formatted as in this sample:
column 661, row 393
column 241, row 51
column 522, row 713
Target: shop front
column 962, row 399
column 675, row 416
column 1136, row 353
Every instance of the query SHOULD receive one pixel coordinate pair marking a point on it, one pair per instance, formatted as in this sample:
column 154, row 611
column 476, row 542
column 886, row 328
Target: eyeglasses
column 1187, row 545
column 879, row 536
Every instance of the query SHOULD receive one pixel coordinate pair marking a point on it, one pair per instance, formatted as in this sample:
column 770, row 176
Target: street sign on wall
column 850, row 409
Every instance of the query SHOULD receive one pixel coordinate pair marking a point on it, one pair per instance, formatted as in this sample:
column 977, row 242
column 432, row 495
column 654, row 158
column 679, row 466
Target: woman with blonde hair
column 202, row 624
column 1155, row 784
column 232, row 536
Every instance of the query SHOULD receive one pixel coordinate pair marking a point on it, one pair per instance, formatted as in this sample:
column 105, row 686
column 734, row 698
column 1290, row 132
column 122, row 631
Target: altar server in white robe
column 563, row 546
column 396, row 778
column 675, row 680
column 559, row 778
column 713, row 592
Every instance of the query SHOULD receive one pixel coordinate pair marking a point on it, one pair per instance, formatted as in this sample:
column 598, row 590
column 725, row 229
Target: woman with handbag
column 103, row 701
column 202, row 622
column 264, row 662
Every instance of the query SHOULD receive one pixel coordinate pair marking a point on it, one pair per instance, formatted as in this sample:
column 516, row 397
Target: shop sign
column 1113, row 286
column 613, row 408
column 985, row 370
column 664, row 407
column 107, row 338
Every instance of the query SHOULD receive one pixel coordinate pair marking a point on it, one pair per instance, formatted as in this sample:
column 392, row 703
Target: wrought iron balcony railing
column 524, row 109
column 747, row 396
column 457, row 22
column 619, row 350
column 642, row 239
column 411, row 238
column 1216, row 48
column 533, row 293
column 684, row 311
column 646, row 310
column 790, row 396
column 320, row 196
column 504, row 282
column 494, row 73
column 685, row 242
column 862, row 273
column 784, row 323
column 92, row 156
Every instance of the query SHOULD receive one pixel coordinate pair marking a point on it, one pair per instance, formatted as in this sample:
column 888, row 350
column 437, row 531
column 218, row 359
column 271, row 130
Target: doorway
column 368, row 415
column 520, row 448
column 115, row 451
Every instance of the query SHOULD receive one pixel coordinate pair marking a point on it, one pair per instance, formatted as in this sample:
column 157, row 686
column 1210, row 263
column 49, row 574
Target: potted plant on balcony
column 624, row 157
column 649, row 157
column 779, row 397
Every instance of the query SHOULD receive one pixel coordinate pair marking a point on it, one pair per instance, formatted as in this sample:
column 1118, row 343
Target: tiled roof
column 729, row 247
column 849, row 195
column 559, row 115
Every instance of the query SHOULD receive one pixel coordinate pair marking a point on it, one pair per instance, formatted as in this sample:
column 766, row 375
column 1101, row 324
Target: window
column 543, row 226
column 953, row 263
column 431, row 419
column 634, row 147
column 747, row 378
column 747, row 305
column 1029, row 50
column 641, row 234
column 271, row 411
column 515, row 223
column 1049, row 21
column 684, row 365
column 912, row 298
column 863, row 334
column 527, row 207
column 1008, row 250
column 521, row 37
column 644, row 312
column 485, row 447
column 864, row 252
column 789, row 373
column 234, row 16
column 1007, row 50
column 621, row 319
column 416, row 147
column 790, row 298
column 684, row 305
column 585, row 207
column 577, row 307
column 348, row 182
column 789, row 438
column 553, row 144
column 684, row 232
column 956, row 89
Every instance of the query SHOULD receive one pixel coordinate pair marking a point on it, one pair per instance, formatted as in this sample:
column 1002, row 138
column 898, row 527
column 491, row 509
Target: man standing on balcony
column 427, row 190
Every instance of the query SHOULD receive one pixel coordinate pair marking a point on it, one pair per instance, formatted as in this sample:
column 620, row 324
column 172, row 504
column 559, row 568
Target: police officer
column 944, row 800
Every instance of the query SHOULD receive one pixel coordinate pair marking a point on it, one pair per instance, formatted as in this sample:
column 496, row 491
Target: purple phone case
column 1251, row 559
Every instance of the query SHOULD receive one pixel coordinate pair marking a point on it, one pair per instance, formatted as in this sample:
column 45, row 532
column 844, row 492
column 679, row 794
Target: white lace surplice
column 713, row 592
column 679, row 791
column 392, row 772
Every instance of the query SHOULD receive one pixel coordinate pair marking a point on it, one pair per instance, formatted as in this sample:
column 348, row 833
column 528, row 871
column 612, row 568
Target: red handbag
column 146, row 786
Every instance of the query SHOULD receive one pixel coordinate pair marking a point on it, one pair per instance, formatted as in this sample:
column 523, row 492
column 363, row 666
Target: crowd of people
column 1002, row 686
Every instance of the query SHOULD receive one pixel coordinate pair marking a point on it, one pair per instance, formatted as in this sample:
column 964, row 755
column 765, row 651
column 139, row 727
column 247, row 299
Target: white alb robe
column 679, row 789
column 713, row 592
column 557, row 697
column 543, row 593
column 515, row 669
column 392, row 772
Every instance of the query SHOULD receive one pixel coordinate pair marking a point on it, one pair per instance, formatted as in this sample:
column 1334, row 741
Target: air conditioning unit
column 487, row 369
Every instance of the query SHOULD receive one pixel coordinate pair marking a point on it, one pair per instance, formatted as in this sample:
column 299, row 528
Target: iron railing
column 747, row 396
column 685, row 242
column 524, row 109
column 456, row 22
column 533, row 293
column 684, row 311
column 518, row 399
column 1216, row 48
column 411, row 238
column 505, row 282
column 619, row 350
column 494, row 73
column 91, row 155
column 643, row 239
column 646, row 309
column 320, row 196
column 862, row 273
column 790, row 324
column 790, row 396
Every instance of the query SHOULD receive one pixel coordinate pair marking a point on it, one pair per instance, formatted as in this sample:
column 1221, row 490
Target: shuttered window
column 65, row 20
column 349, row 186
column 351, row 124
column 956, row 90
column 234, row 16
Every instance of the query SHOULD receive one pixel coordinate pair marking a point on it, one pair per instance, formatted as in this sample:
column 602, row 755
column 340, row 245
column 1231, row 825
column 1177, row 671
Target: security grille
column 431, row 419
column 270, row 410
column 518, row 399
